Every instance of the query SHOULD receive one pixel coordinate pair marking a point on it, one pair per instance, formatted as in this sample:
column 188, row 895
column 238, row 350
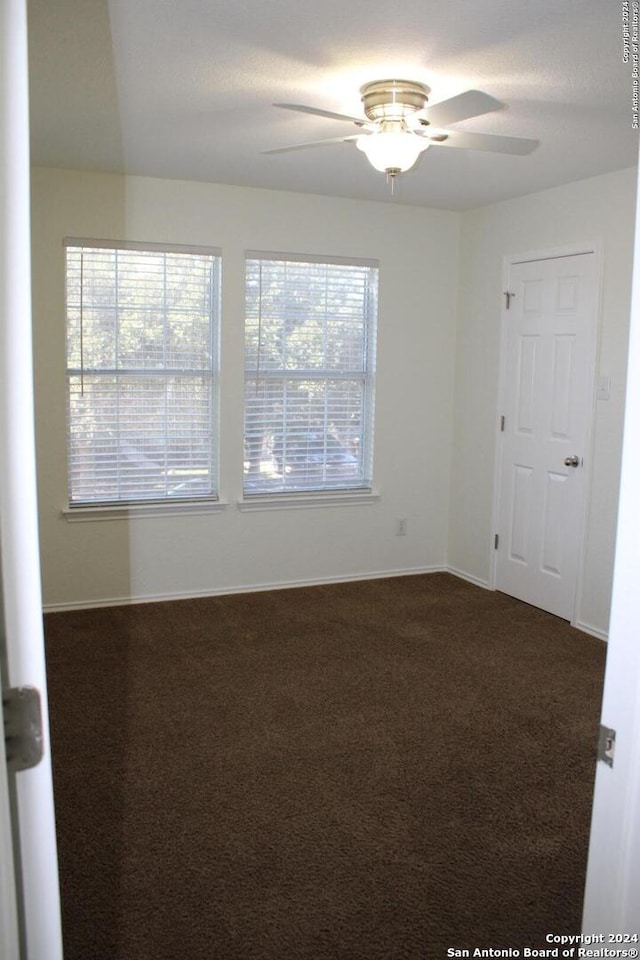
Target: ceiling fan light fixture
column 394, row 133
column 392, row 151
column 393, row 99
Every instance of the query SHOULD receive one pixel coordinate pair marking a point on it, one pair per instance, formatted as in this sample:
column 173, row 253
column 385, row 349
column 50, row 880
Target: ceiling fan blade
column 518, row 146
column 472, row 103
column 300, row 108
column 312, row 143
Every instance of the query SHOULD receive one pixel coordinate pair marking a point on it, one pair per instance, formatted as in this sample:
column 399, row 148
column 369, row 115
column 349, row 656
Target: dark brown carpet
column 368, row 771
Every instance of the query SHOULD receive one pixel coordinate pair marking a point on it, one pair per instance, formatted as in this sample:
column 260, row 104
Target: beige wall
column 103, row 561
column 602, row 211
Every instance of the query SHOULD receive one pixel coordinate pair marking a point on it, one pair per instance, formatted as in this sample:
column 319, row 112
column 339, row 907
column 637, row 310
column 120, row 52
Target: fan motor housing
column 393, row 99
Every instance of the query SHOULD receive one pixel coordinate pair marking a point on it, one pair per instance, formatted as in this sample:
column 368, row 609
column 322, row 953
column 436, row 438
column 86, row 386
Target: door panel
column 522, row 495
column 526, row 384
column 562, row 379
column 550, row 349
column 555, row 506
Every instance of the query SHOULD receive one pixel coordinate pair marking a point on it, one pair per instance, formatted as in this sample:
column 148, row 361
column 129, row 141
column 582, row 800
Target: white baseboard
column 470, row 578
column 593, row 631
column 578, row 624
column 286, row 585
column 244, row 588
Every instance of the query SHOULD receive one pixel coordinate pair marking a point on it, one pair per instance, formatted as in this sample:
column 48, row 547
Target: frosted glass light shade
column 391, row 151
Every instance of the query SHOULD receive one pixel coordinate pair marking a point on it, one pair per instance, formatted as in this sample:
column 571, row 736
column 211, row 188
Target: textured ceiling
column 184, row 89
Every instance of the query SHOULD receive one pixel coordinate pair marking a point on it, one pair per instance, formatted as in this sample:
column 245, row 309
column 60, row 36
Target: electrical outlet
column 401, row 527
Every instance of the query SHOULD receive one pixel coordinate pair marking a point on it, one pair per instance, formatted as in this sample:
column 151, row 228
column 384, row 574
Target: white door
column 612, row 896
column 550, row 352
column 29, row 902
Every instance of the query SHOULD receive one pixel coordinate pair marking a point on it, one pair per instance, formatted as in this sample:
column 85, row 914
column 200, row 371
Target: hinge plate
column 606, row 744
column 22, row 713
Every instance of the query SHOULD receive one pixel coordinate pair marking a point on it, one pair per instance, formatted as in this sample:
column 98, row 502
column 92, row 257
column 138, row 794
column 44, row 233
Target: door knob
column 572, row 461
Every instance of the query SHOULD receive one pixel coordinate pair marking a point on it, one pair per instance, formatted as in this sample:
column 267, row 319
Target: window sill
column 299, row 501
column 135, row 510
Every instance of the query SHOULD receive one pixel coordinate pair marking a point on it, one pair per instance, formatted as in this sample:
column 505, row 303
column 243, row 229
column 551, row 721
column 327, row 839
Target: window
column 310, row 341
column 141, row 372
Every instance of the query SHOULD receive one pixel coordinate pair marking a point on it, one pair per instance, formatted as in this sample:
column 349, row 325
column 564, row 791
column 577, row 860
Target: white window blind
column 309, row 374
column 141, row 372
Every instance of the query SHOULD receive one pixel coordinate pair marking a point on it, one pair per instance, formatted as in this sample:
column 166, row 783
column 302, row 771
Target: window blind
column 141, row 373
column 309, row 374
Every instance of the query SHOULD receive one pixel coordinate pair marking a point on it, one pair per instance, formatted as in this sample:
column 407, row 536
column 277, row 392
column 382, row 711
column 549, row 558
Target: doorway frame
column 508, row 262
column 29, row 889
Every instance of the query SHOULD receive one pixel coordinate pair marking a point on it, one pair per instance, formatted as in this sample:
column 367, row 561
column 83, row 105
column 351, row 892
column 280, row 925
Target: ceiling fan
column 398, row 125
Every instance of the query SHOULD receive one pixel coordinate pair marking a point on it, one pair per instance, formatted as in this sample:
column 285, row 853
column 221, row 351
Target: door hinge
column 606, row 744
column 22, row 714
column 502, row 424
column 508, row 297
column 496, row 541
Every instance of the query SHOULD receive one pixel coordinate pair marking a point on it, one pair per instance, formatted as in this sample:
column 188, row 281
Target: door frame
column 612, row 888
column 508, row 262
column 30, row 904
column 9, row 936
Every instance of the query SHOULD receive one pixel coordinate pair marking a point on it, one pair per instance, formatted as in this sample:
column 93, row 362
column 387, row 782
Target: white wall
column 600, row 210
column 437, row 389
column 98, row 562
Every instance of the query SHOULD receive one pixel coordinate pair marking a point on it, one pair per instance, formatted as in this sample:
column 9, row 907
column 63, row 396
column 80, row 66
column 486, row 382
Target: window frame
column 165, row 504
column 330, row 494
